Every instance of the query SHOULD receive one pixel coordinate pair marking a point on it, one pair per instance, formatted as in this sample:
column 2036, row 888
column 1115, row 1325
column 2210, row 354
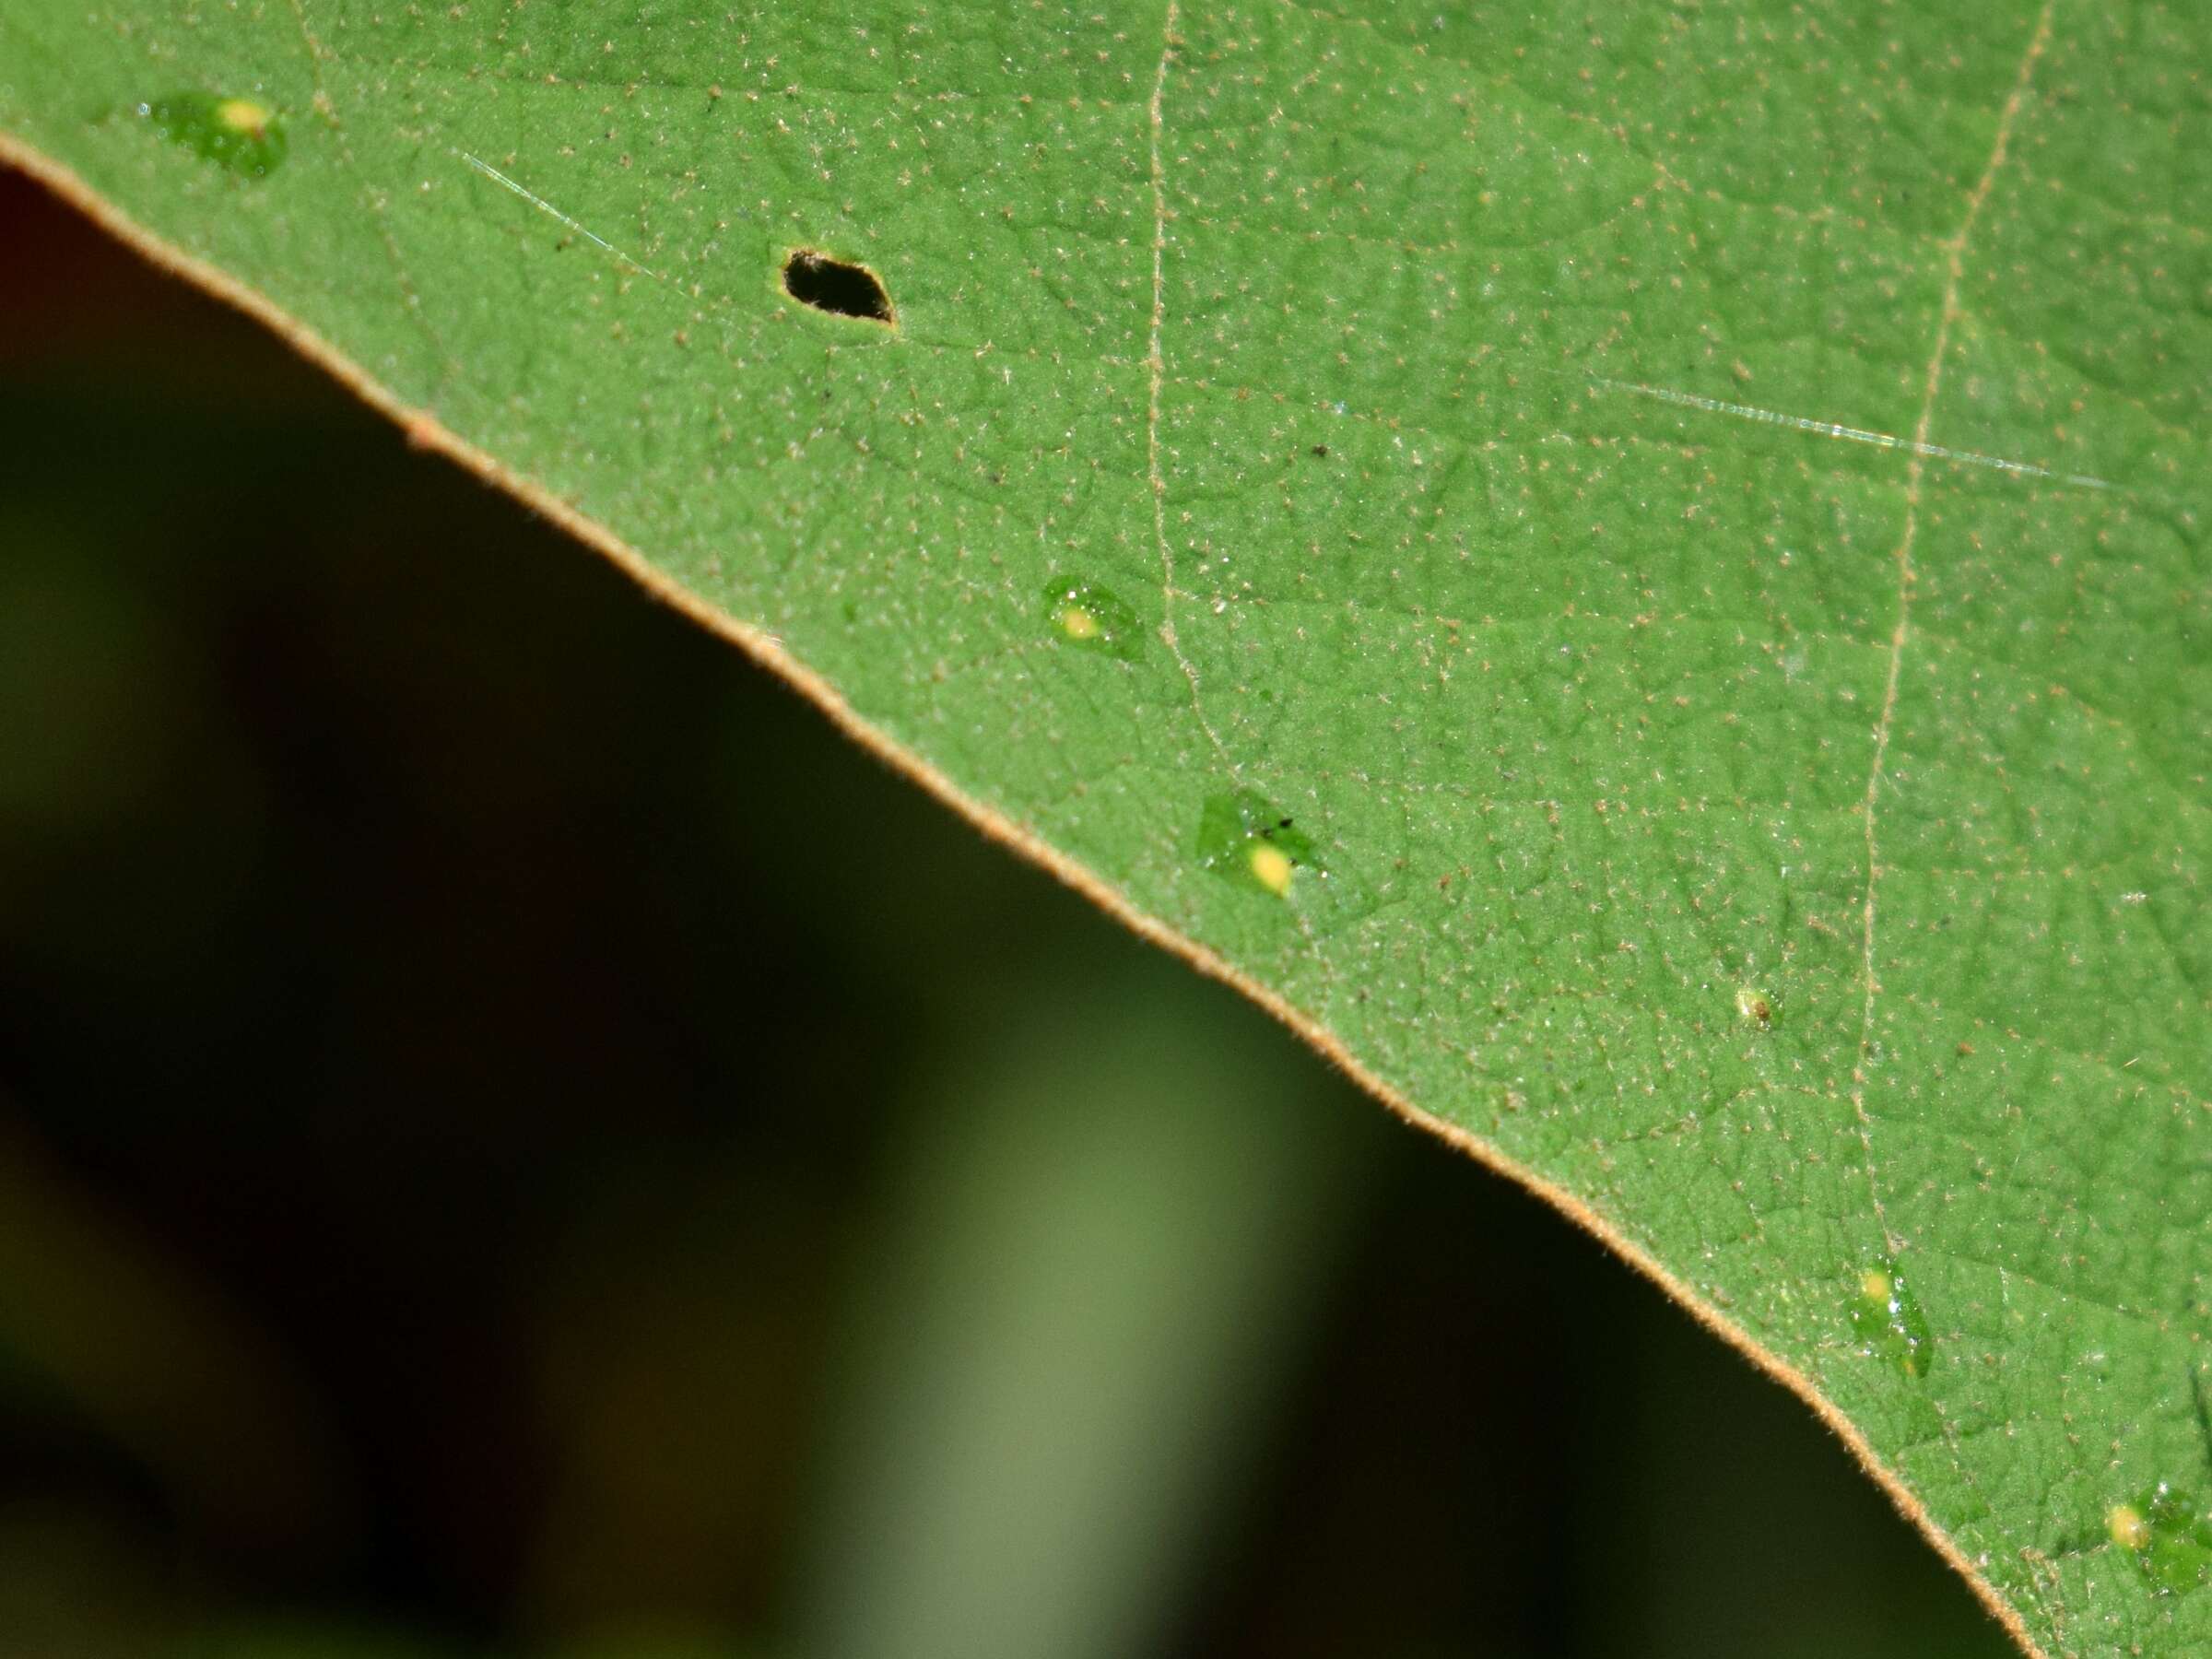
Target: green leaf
column 1695, row 519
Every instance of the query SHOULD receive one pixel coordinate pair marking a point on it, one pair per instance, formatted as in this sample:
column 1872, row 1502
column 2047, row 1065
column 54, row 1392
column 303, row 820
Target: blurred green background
column 515, row 1139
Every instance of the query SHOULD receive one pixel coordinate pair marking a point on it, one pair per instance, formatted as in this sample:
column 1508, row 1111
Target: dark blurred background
column 516, row 1139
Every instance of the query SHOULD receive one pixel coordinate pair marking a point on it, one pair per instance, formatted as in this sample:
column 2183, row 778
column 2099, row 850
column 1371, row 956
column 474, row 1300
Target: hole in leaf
column 832, row 285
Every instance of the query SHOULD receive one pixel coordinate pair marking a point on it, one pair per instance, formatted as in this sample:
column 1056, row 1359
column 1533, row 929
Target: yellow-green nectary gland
column 1272, row 867
column 1078, row 624
column 2128, row 1528
column 242, row 115
column 1876, row 1286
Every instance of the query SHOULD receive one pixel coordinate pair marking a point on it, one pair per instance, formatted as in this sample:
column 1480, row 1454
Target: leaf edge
column 423, row 432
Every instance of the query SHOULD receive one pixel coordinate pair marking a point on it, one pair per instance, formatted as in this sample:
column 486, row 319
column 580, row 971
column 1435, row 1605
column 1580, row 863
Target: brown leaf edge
column 424, row 431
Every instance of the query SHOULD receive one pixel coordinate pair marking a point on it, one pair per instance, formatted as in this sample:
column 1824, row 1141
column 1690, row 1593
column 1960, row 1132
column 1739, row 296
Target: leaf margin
column 423, row 432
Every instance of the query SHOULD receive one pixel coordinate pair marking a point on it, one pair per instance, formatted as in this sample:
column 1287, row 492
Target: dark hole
column 1321, row 450
column 830, row 285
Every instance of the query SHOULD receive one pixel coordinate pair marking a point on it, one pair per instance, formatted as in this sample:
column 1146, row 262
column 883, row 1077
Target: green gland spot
column 2170, row 1535
column 1247, row 839
column 1886, row 1318
column 1083, row 613
column 236, row 133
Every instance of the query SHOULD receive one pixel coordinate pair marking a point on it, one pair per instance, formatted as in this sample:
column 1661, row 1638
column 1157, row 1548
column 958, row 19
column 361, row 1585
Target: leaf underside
column 1640, row 573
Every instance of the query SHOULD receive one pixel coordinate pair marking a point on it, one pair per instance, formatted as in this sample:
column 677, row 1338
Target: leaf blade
column 1468, row 421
